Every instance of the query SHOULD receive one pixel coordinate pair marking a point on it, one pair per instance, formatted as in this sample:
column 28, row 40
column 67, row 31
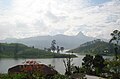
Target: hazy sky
column 27, row 18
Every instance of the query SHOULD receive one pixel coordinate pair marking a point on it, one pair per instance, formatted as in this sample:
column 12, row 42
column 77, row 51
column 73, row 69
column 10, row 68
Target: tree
column 61, row 49
column 113, row 68
column 115, row 38
column 98, row 64
column 68, row 65
column 58, row 49
column 53, row 48
column 87, row 63
column 49, row 49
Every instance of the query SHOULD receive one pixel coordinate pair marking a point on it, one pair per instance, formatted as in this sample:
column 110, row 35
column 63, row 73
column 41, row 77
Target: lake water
column 6, row 63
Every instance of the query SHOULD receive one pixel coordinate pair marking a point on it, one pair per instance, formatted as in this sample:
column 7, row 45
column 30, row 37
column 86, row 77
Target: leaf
column 112, row 34
column 115, row 31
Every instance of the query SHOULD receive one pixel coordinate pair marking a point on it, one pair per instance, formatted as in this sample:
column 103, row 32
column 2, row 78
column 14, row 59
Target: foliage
column 68, row 65
column 93, row 65
column 59, row 76
column 95, row 47
column 101, row 67
column 13, row 76
column 32, row 76
column 16, row 50
column 114, row 65
column 87, row 63
column 98, row 64
column 113, row 68
column 58, row 49
column 115, row 38
column 53, row 48
column 62, row 48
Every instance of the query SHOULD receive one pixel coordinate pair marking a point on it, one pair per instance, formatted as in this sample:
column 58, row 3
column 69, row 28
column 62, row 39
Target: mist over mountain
column 68, row 42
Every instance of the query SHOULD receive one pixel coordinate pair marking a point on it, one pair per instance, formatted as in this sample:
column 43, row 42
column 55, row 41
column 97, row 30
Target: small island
column 17, row 50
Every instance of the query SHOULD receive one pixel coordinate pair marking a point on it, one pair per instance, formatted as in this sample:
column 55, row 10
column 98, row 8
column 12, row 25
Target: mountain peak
column 80, row 34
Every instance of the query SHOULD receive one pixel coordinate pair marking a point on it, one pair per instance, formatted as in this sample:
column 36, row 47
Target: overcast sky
column 28, row 18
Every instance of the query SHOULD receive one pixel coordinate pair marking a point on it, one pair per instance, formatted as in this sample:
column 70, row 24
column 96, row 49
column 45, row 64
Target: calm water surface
column 6, row 63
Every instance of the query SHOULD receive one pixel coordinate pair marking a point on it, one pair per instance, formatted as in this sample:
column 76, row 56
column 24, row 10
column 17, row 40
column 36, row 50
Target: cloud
column 53, row 18
column 27, row 18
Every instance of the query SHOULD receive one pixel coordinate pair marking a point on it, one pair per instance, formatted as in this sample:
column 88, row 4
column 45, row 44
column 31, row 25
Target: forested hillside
column 16, row 50
column 95, row 47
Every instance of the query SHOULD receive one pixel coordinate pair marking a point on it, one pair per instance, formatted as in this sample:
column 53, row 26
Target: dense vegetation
column 32, row 76
column 95, row 47
column 15, row 50
column 97, row 65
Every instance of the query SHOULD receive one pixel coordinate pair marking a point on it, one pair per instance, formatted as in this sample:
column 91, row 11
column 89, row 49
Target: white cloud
column 28, row 18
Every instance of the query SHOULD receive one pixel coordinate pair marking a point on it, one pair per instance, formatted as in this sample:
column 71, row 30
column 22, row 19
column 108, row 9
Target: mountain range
column 68, row 42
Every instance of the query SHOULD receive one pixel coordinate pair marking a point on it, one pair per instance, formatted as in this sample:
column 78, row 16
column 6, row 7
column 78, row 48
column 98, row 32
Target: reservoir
column 6, row 63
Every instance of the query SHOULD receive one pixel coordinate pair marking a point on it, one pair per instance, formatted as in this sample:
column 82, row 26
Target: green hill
column 95, row 47
column 16, row 50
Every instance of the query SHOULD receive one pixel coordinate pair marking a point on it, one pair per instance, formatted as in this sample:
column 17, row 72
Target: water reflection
column 57, row 62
